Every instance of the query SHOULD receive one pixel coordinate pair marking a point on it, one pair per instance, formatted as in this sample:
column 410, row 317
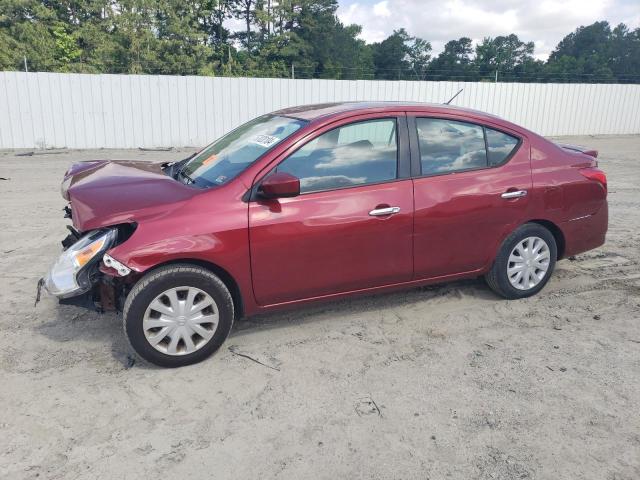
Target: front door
column 349, row 229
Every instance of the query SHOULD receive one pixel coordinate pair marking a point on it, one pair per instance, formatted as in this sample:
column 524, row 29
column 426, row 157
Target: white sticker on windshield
column 265, row 141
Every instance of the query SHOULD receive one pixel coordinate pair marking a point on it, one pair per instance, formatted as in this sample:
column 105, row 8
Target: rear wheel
column 178, row 315
column 524, row 263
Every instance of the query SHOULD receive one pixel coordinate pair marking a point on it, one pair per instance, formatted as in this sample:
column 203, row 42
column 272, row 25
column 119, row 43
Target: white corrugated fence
column 57, row 110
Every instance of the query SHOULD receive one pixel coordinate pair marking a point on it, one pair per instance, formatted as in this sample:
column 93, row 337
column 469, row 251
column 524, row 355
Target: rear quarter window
column 499, row 146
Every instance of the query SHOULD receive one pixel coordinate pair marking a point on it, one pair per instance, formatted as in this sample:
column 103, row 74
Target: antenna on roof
column 451, row 99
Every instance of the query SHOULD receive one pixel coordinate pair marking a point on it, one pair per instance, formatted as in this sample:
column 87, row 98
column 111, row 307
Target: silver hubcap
column 528, row 263
column 180, row 320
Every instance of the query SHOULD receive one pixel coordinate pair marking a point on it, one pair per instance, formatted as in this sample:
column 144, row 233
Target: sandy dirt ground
column 440, row 382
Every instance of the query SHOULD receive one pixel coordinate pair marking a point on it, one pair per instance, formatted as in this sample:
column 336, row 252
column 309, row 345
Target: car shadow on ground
column 74, row 327
column 369, row 303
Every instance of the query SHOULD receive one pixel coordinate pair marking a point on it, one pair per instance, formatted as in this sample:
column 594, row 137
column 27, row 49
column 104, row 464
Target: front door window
column 356, row 154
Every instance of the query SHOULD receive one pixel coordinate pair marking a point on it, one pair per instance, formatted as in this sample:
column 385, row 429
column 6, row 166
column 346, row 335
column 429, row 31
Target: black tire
column 497, row 278
column 160, row 280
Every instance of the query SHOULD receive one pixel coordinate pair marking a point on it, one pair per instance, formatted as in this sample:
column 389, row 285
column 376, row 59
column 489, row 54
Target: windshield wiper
column 184, row 175
column 172, row 168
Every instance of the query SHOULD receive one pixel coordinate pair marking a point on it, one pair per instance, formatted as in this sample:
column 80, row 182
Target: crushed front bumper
column 106, row 294
column 79, row 276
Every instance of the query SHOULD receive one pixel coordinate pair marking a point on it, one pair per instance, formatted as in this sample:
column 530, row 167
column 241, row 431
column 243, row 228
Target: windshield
column 225, row 158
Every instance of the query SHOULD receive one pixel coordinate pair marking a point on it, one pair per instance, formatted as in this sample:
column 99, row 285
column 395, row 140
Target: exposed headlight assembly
column 69, row 276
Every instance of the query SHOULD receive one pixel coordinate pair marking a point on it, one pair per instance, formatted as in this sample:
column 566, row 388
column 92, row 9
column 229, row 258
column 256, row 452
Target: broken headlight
column 69, row 275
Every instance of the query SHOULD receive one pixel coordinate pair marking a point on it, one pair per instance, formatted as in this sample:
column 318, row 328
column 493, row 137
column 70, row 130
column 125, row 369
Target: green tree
column 419, row 57
column 504, row 54
column 26, row 31
column 244, row 10
column 212, row 17
column 188, row 37
column 66, row 46
column 592, row 39
column 182, row 42
column 596, row 53
column 390, row 57
column 454, row 62
column 624, row 57
column 401, row 56
column 325, row 47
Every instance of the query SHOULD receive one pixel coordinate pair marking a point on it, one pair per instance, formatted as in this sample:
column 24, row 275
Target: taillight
column 595, row 174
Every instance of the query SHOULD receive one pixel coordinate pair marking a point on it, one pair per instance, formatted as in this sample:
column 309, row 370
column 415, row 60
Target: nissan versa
column 315, row 203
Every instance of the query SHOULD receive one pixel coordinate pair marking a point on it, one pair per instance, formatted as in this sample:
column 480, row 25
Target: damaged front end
column 85, row 275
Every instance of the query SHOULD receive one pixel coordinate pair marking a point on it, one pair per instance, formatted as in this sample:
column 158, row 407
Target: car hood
column 104, row 193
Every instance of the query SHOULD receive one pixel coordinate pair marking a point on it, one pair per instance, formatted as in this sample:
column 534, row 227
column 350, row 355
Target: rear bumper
column 586, row 233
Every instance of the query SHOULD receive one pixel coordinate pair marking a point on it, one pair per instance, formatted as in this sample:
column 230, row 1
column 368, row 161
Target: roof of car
column 322, row 110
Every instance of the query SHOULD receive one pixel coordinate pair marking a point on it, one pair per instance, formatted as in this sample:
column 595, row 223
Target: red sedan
column 320, row 202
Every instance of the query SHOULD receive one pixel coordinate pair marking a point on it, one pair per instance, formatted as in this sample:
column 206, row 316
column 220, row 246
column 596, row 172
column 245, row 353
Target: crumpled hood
column 104, row 193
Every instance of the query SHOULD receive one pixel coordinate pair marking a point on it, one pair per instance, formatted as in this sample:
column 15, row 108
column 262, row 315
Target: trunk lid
column 579, row 149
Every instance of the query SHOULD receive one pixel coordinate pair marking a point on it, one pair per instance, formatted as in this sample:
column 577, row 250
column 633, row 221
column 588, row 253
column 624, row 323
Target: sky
column 545, row 22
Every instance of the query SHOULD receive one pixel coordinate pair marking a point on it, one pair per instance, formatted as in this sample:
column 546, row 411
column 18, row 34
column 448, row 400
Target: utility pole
column 293, row 71
column 496, row 76
column 24, row 57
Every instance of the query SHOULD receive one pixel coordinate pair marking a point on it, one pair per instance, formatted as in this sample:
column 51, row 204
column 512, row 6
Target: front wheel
column 524, row 263
column 178, row 315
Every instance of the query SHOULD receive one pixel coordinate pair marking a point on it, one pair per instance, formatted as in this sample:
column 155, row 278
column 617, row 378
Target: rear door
column 350, row 228
column 472, row 189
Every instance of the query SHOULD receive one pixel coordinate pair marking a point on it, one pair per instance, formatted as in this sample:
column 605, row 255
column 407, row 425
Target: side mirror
column 280, row 185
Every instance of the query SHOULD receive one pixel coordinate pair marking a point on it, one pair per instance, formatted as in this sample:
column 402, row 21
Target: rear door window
column 450, row 146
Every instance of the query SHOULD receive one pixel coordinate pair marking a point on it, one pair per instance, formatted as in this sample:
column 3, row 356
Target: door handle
column 515, row 194
column 380, row 212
